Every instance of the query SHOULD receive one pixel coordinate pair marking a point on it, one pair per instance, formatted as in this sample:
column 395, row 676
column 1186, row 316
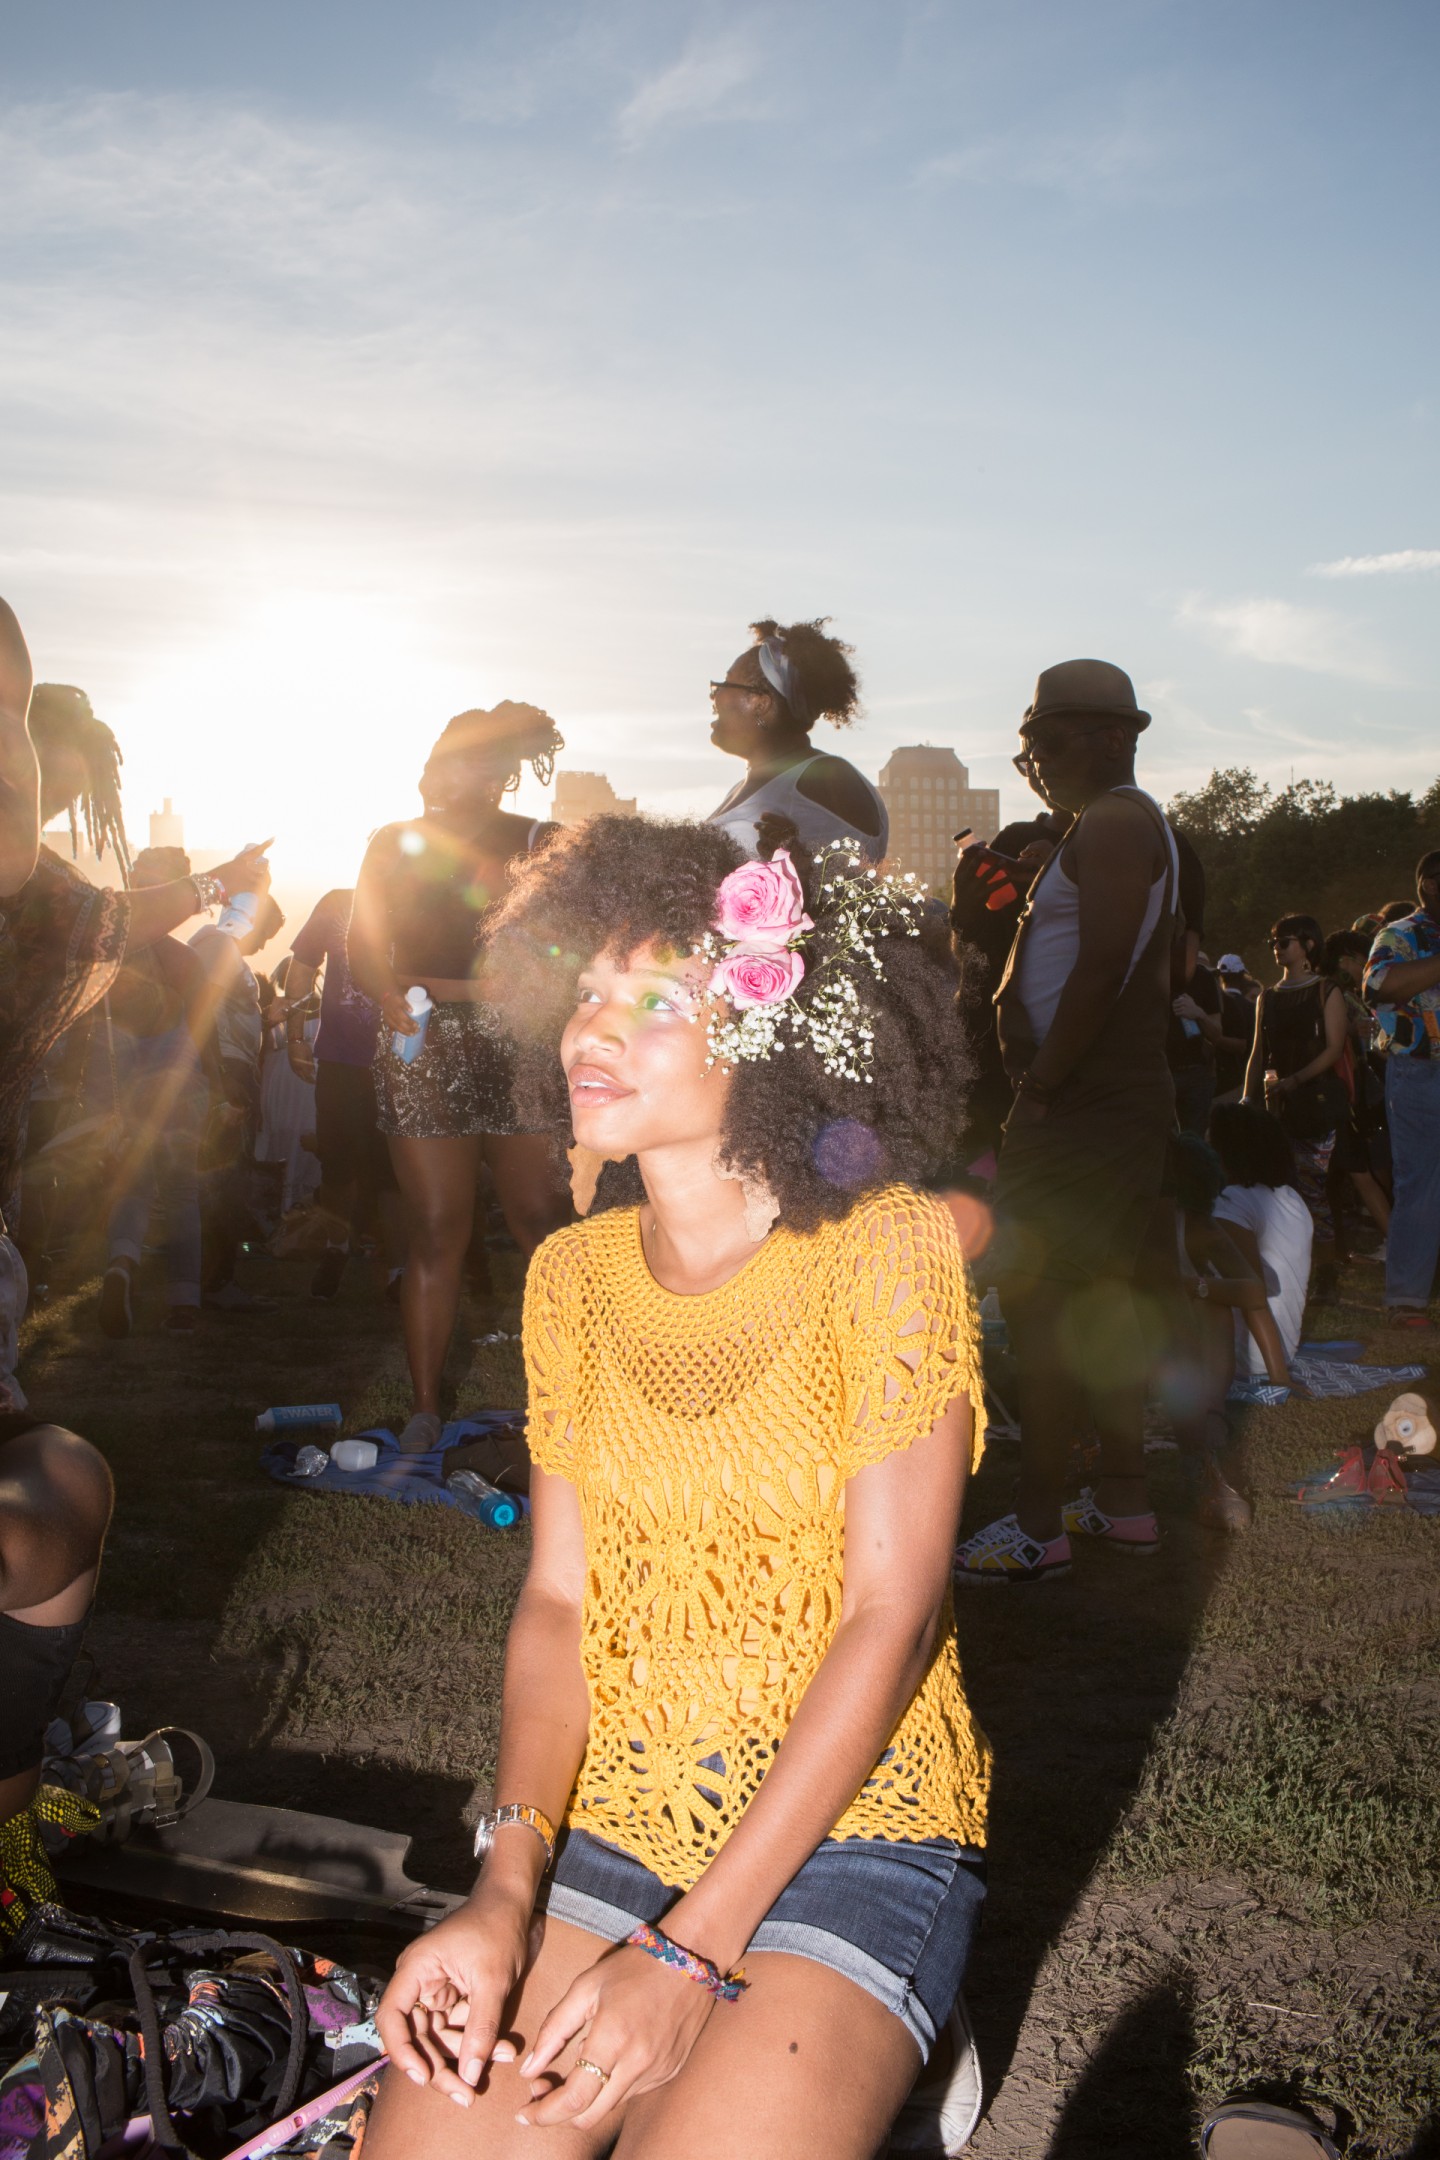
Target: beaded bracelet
column 654, row 1944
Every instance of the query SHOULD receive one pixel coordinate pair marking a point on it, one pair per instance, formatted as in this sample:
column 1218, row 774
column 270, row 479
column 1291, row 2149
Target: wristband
column 725, row 1987
column 209, row 892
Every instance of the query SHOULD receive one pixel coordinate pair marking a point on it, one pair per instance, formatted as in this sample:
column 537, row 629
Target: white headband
column 779, row 672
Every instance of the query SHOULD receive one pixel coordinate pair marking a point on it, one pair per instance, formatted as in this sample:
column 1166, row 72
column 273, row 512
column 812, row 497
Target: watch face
column 484, row 1833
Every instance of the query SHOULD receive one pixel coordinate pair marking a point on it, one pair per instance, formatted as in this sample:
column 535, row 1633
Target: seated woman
column 1269, row 1222
column 732, row 1675
column 55, row 1501
column 1199, row 1278
column 766, row 704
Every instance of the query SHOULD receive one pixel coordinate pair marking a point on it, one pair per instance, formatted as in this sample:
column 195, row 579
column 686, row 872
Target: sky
column 363, row 363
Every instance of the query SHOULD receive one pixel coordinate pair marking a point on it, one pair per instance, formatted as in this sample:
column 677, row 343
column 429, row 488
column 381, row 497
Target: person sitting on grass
column 1268, row 1220
column 56, row 1498
column 732, row 1676
column 1203, row 1280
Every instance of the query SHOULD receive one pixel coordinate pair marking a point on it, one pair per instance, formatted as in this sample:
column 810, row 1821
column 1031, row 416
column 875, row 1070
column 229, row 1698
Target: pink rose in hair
column 757, row 978
column 762, row 905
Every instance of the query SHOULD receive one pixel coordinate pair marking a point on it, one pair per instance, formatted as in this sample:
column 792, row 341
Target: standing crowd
column 729, row 1084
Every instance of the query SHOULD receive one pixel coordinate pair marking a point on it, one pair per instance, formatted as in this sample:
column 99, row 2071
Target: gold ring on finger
column 594, row 2069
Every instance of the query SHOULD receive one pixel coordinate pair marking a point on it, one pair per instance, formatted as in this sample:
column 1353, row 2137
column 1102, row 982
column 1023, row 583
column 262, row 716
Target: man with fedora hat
column 1084, row 1006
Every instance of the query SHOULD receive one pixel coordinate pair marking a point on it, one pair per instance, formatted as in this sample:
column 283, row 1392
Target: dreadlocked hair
column 819, row 1141
column 61, row 718
column 521, row 733
column 830, row 686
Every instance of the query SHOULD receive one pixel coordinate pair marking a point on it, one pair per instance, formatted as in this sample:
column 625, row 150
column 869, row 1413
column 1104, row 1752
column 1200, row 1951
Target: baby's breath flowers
column 764, row 946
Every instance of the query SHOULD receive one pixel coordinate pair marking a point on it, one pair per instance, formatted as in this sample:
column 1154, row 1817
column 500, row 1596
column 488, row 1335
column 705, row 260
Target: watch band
column 529, row 1818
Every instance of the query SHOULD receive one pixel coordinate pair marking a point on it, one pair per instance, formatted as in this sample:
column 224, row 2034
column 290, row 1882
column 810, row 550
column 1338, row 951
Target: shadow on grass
column 1070, row 1680
column 1135, row 2095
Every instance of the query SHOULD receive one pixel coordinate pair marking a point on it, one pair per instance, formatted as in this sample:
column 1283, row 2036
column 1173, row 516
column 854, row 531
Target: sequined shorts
column 459, row 1085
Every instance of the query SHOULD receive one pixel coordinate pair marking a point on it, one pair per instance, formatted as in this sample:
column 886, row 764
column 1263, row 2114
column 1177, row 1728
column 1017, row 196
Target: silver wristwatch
column 529, row 1817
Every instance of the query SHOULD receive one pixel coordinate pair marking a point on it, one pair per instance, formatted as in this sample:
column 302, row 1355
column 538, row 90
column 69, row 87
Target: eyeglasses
column 746, row 689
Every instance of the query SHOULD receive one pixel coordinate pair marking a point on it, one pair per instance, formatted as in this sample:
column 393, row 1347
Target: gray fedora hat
column 1085, row 686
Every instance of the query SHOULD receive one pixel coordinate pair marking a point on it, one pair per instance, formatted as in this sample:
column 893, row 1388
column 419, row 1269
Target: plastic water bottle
column 287, row 1416
column 408, row 1047
column 237, row 917
column 498, row 1510
column 310, row 1461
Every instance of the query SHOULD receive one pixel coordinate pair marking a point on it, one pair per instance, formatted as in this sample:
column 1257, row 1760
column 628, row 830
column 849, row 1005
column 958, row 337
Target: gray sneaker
column 944, row 2104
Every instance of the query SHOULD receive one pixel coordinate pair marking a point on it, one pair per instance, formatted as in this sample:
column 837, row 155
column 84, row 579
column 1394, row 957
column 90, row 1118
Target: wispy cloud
column 1279, row 634
column 697, row 86
column 1404, row 562
column 1148, row 144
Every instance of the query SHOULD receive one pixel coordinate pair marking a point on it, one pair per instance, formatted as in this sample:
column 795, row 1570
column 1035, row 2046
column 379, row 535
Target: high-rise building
column 167, row 827
column 581, row 795
column 928, row 794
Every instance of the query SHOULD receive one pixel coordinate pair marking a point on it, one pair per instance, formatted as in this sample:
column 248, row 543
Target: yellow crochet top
column 709, row 1439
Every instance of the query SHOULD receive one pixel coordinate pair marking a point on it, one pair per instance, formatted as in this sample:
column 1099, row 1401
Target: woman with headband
column 765, row 707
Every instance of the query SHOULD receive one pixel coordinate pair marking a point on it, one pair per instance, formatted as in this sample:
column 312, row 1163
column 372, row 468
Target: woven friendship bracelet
column 709, row 1975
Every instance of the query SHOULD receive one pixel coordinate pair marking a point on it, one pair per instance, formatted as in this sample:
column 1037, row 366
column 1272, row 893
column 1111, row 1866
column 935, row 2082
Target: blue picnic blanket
column 415, row 1480
column 1329, row 1378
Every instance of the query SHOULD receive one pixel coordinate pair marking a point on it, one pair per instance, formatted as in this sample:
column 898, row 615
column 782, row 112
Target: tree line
column 1304, row 850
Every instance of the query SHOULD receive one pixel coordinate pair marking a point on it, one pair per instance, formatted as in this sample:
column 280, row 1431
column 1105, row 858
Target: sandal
column 135, row 1784
column 1255, row 2130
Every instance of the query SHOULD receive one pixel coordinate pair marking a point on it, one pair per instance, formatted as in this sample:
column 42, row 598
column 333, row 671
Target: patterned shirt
column 61, row 943
column 1410, row 1027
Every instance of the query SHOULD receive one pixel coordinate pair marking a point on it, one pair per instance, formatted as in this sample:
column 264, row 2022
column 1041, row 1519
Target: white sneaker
column 944, row 2104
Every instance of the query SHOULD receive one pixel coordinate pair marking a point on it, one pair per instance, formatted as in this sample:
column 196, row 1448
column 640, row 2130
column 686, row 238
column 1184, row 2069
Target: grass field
column 1216, row 1848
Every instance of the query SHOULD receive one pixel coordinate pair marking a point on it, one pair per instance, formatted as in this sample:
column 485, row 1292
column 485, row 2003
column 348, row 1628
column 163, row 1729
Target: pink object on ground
column 255, row 2148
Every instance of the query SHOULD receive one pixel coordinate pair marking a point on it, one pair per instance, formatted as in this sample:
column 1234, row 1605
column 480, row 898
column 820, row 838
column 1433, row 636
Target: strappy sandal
column 1256, row 2130
column 136, row 1784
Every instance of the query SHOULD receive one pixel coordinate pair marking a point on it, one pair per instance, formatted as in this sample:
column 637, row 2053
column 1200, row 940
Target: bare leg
column 806, row 2066
column 529, row 1184
column 437, row 1180
column 1372, row 1195
column 410, row 2120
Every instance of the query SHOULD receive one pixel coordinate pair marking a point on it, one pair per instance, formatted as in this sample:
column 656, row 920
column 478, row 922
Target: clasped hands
column 442, row 2014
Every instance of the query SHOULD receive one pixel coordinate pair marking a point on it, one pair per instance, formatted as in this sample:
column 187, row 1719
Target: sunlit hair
column 828, row 683
column 819, row 1141
column 61, row 718
column 1309, row 932
column 510, row 739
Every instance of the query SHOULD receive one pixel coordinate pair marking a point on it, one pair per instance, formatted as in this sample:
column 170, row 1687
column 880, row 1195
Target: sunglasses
column 746, row 689
column 1051, row 746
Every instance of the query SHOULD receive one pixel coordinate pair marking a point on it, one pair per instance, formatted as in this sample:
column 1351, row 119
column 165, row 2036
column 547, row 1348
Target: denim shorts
column 897, row 1919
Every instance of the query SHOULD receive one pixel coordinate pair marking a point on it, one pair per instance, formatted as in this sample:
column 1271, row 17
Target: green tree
column 1306, row 850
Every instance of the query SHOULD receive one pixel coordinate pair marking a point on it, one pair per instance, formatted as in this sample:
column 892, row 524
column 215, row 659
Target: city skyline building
column 581, row 795
column 927, row 792
column 167, row 826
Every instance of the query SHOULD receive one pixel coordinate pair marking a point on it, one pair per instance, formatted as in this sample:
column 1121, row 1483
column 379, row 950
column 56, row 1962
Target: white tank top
column 1052, row 942
column 815, row 824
